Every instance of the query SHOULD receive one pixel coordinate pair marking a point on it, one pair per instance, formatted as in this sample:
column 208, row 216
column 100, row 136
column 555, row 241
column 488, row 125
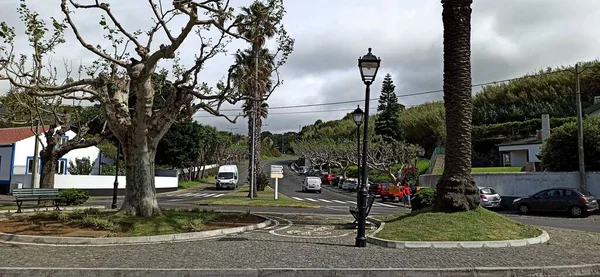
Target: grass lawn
column 188, row 184
column 264, row 199
column 501, row 169
column 478, row 225
column 94, row 223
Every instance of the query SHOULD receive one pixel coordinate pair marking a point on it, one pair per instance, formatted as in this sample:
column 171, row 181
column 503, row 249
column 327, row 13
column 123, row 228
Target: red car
column 378, row 188
column 327, row 178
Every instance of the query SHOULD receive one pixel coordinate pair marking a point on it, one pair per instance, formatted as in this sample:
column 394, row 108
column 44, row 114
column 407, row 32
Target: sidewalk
column 307, row 242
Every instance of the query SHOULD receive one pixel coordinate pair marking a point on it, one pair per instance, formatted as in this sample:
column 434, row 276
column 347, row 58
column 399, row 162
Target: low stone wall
column 519, row 184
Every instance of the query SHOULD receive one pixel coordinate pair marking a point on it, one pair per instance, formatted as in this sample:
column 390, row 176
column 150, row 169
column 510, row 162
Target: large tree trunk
column 49, row 163
column 140, row 196
column 456, row 189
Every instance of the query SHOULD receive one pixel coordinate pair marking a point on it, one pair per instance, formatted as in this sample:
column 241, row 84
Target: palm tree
column 257, row 24
column 456, row 189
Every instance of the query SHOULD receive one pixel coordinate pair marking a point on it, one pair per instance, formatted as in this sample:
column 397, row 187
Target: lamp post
column 368, row 65
column 358, row 116
column 116, row 184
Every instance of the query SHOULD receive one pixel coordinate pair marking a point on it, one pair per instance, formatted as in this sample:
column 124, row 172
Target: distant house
column 17, row 151
column 521, row 152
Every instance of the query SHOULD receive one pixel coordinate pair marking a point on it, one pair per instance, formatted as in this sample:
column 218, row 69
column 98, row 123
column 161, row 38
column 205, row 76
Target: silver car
column 489, row 198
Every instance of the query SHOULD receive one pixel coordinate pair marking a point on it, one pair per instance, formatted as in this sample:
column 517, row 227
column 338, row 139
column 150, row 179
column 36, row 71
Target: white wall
column 5, row 159
column 525, row 183
column 91, row 181
column 24, row 148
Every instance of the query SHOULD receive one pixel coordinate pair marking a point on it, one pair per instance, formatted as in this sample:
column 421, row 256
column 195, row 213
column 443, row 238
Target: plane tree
column 122, row 73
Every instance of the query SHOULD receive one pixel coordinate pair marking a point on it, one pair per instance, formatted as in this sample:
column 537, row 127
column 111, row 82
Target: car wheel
column 576, row 211
column 524, row 209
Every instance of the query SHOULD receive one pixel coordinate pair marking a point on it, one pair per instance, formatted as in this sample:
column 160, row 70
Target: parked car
column 351, row 184
column 341, row 183
column 327, row 178
column 376, row 189
column 575, row 201
column 337, row 180
column 311, row 184
column 489, row 198
column 303, row 170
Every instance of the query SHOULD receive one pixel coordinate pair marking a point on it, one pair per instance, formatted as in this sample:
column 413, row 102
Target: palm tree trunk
column 456, row 189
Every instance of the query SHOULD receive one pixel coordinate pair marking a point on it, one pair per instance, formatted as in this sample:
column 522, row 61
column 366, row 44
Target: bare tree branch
column 65, row 10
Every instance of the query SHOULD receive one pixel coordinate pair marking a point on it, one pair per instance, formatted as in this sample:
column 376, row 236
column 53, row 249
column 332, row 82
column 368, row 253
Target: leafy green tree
column 181, row 145
column 388, row 124
column 559, row 152
column 80, row 167
column 425, row 125
column 549, row 91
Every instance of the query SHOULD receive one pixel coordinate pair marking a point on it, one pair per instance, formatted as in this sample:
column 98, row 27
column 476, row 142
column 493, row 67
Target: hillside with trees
column 503, row 112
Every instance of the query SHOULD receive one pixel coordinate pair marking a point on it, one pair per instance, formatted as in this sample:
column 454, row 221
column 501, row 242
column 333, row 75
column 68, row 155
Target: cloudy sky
column 509, row 38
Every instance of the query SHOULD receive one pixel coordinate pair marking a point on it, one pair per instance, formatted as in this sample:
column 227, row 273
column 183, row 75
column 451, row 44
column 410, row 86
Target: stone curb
column 51, row 209
column 12, row 238
column 576, row 270
column 544, row 237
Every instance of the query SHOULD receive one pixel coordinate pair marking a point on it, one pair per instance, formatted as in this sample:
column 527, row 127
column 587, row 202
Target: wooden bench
column 354, row 210
column 37, row 195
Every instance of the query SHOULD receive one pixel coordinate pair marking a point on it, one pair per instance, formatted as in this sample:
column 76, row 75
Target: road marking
column 310, row 199
column 385, row 205
column 326, row 201
column 298, row 198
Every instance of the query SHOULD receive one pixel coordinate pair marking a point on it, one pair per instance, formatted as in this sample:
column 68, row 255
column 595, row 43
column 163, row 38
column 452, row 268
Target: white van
column 311, row 184
column 227, row 177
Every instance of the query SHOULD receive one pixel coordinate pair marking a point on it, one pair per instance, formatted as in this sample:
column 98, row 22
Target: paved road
column 331, row 201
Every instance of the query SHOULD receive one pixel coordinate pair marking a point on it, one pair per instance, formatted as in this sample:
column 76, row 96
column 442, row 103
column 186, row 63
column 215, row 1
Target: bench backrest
column 34, row 192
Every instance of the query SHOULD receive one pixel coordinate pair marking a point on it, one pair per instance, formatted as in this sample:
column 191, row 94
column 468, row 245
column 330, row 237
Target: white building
column 17, row 151
column 520, row 152
column 16, row 166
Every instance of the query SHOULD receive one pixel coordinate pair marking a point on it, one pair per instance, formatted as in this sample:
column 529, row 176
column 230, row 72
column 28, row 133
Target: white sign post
column 276, row 172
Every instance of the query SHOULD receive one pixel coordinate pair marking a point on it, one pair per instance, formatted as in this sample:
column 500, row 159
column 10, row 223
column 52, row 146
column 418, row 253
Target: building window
column 61, row 167
column 506, row 158
column 30, row 165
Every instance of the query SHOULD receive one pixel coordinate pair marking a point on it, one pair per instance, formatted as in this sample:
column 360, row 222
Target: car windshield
column 488, row 191
column 225, row 175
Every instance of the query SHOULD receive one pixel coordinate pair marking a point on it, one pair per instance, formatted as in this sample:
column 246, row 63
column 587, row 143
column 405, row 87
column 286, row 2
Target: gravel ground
column 264, row 249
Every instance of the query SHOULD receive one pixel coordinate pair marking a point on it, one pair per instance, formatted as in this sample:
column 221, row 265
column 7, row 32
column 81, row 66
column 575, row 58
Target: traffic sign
column 276, row 175
column 276, row 169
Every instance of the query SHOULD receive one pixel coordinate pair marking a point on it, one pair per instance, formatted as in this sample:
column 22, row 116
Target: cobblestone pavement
column 309, row 242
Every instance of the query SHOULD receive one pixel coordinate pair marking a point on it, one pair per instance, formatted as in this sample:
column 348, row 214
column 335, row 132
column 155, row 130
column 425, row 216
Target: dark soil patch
column 129, row 226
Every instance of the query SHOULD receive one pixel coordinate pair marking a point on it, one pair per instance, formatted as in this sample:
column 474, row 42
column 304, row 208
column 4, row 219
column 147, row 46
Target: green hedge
column 515, row 130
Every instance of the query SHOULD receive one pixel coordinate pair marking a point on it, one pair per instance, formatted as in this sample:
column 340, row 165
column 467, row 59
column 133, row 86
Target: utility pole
column 36, row 153
column 582, row 178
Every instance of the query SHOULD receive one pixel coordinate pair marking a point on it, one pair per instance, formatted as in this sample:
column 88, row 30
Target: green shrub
column 559, row 152
column 74, row 197
column 423, row 199
column 262, row 181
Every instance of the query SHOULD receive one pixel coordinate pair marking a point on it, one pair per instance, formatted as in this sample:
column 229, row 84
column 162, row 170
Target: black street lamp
column 358, row 117
column 116, row 184
column 368, row 65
